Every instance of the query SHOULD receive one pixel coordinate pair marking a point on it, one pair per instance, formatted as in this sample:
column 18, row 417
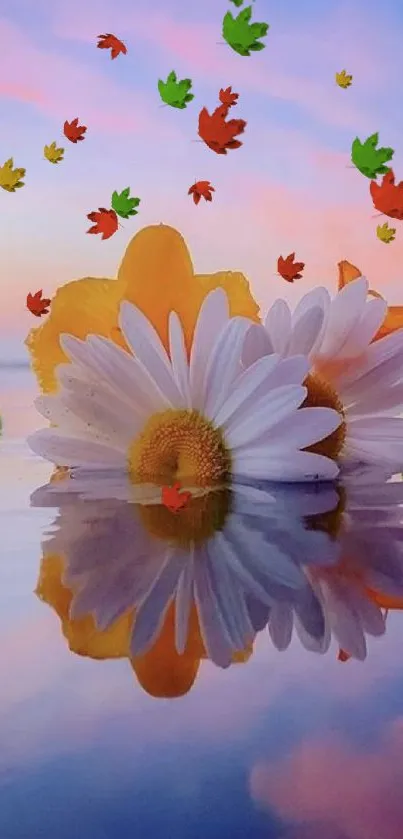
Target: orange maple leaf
column 173, row 499
column 343, row 656
column 106, row 222
column 387, row 196
column 217, row 133
column 289, row 269
column 227, row 97
column 201, row 189
column 37, row 304
column 113, row 43
column 73, row 131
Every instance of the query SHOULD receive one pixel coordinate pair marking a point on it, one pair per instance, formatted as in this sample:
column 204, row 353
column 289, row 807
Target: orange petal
column 347, row 273
column 385, row 601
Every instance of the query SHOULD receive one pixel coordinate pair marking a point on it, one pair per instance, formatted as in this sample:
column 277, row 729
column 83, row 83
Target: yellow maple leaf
column 343, row 79
column 10, row 178
column 53, row 154
column 385, row 233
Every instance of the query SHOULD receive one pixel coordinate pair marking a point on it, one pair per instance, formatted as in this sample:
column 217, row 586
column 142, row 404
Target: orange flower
column 394, row 317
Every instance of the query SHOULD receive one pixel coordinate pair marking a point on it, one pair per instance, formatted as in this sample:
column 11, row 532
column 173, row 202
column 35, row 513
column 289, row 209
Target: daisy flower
column 167, row 400
column 367, row 526
column 358, row 376
column 216, row 559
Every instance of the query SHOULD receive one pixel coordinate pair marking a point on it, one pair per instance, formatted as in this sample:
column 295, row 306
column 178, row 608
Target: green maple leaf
column 369, row 160
column 237, row 2
column 123, row 205
column 174, row 92
column 242, row 35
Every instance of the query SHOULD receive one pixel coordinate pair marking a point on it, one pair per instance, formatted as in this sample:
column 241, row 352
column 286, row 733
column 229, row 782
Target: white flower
column 363, row 380
column 233, row 556
column 164, row 418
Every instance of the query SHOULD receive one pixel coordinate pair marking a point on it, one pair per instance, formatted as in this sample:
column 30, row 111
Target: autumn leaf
column 174, row 92
column 201, row 189
column 113, row 43
column 385, row 233
column 368, row 159
column 343, row 656
column 10, row 178
column 343, row 79
column 227, row 97
column 237, row 2
column 387, row 196
column 217, row 132
column 73, row 131
column 173, row 499
column 289, row 269
column 105, row 222
column 123, row 204
column 242, row 35
column 53, row 154
column 37, row 304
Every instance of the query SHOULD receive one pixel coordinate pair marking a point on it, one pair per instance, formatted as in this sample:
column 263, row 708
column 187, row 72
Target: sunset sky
column 289, row 187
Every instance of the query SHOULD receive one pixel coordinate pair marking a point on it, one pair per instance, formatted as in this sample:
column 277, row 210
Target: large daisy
column 168, row 400
column 360, row 377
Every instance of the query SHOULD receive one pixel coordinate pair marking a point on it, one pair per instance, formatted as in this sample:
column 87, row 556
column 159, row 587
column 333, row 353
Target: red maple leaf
column 113, row 43
column 387, row 196
column 217, row 132
column 227, row 97
column 289, row 269
column 37, row 304
column 343, row 656
column 201, row 189
column 106, row 222
column 73, row 131
column 173, row 499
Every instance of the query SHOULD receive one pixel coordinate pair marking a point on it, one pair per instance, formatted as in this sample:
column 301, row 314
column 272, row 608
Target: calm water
column 280, row 745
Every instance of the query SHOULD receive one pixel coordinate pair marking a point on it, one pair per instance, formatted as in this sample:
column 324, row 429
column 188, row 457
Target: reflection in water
column 129, row 578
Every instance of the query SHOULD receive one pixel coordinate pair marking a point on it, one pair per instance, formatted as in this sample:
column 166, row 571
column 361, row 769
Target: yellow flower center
column 194, row 524
column 179, row 445
column 322, row 394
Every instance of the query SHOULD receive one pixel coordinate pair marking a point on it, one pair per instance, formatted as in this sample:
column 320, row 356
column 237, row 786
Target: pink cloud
column 329, row 785
column 64, row 88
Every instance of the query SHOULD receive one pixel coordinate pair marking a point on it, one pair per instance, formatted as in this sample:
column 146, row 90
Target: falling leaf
column 369, row 160
column 289, row 269
column 217, row 132
column 123, row 204
column 237, row 2
column 343, row 656
column 53, row 154
column 173, row 499
column 242, row 35
column 174, row 92
column 73, row 131
column 385, row 233
column 227, row 97
column 201, row 189
column 106, row 222
column 113, row 43
column 37, row 304
column 387, row 196
column 343, row 79
column 10, row 178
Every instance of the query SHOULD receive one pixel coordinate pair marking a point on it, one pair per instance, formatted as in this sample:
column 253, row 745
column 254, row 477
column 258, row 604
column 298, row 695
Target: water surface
column 282, row 745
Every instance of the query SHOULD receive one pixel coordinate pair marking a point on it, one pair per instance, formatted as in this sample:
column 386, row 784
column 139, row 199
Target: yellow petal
column 162, row 672
column 78, row 308
column 157, row 273
column 81, row 633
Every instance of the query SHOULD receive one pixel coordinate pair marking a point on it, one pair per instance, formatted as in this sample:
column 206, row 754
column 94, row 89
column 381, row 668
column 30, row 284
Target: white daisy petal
column 278, row 326
column 146, row 346
column 344, row 315
column 304, row 428
column 290, row 466
column 372, row 318
column 246, row 386
column 214, row 634
column 274, row 407
column 306, row 331
column 179, row 358
column 183, row 602
column 151, row 612
column 257, row 344
column 280, row 625
column 224, row 365
column 213, row 316
column 71, row 451
column 317, row 297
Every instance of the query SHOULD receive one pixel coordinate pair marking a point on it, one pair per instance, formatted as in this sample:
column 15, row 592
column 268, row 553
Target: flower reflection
column 129, row 578
column 368, row 527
